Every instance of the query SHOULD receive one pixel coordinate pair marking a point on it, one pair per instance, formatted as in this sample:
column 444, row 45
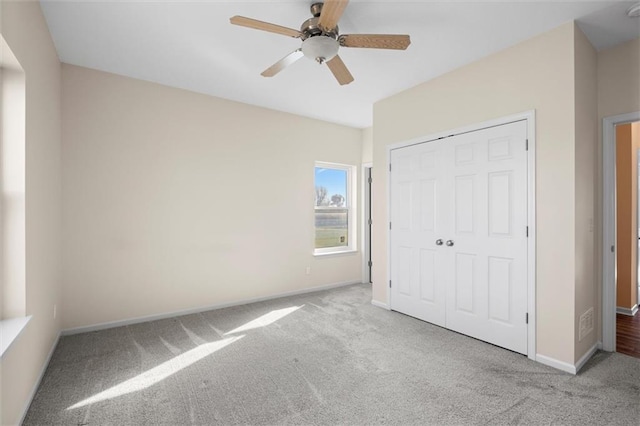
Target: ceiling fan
column 321, row 39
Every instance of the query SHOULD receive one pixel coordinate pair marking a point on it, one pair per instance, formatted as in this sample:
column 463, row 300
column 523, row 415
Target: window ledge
column 335, row 253
column 10, row 329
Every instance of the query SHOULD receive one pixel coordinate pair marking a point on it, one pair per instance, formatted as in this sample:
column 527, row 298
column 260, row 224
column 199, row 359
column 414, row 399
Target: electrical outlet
column 55, row 311
column 308, row 270
column 586, row 324
column 591, row 225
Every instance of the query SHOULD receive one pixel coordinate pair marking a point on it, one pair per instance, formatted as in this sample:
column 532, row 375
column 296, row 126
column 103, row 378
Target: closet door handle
column 439, row 242
column 449, row 243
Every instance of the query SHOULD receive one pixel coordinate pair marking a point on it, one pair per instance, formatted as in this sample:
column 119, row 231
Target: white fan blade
column 283, row 63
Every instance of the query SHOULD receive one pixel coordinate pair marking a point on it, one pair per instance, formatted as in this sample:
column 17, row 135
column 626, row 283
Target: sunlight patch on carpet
column 159, row 373
column 265, row 320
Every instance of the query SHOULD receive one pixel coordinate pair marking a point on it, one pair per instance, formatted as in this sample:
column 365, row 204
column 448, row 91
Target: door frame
column 609, row 254
column 530, row 118
column 637, row 206
column 366, row 234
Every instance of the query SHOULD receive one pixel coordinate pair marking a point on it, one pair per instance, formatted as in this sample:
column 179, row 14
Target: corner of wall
column 586, row 233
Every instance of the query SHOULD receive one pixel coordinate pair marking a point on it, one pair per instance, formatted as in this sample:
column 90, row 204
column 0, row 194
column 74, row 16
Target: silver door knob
column 439, row 242
column 449, row 243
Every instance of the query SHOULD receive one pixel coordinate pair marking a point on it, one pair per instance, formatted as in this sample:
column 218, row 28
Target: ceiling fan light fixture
column 320, row 48
column 321, row 39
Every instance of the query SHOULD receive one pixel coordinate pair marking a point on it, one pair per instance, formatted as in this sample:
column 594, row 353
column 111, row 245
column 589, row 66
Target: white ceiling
column 191, row 45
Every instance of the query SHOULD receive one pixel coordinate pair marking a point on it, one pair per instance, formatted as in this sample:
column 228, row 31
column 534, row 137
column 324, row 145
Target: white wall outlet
column 55, row 311
column 308, row 271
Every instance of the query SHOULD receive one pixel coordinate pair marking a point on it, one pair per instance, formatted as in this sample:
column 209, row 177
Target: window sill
column 335, row 253
column 10, row 329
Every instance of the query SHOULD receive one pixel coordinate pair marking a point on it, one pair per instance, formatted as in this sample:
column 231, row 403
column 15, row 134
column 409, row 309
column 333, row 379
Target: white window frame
column 13, row 305
column 350, row 203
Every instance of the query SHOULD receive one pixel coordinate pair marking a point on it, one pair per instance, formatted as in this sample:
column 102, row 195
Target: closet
column 458, row 233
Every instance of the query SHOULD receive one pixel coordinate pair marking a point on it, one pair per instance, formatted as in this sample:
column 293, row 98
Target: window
column 12, row 197
column 334, row 226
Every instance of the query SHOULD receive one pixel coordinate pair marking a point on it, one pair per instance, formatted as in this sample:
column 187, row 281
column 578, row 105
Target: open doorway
column 627, row 137
column 621, row 234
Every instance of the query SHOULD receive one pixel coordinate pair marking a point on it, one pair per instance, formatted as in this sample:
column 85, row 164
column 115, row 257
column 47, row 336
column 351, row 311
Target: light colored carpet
column 321, row 358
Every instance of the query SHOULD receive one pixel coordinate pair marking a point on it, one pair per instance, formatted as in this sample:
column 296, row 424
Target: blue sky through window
column 334, row 180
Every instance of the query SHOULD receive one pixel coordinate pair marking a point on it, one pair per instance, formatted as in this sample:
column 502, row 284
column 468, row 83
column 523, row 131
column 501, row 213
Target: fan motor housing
column 310, row 28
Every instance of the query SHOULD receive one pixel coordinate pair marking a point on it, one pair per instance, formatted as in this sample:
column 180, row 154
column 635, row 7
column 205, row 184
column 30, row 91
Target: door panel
column 417, row 215
column 500, row 289
column 464, row 283
column 500, row 204
column 428, row 203
column 427, row 275
column 470, row 189
column 404, row 206
column 464, row 204
column 405, row 271
column 499, row 243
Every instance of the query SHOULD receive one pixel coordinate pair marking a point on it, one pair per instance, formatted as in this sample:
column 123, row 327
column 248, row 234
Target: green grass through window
column 331, row 228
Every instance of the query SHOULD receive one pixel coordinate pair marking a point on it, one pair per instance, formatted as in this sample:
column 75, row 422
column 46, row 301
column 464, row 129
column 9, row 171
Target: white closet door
column 418, row 216
column 487, row 288
column 469, row 190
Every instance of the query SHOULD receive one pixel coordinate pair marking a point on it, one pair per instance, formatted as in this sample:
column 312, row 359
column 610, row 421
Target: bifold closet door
column 419, row 219
column 470, row 192
column 487, row 285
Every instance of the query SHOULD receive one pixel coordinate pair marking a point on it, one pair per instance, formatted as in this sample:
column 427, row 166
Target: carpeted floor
column 323, row 358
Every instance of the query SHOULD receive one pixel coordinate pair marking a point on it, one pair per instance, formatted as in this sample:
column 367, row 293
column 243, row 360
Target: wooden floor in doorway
column 628, row 334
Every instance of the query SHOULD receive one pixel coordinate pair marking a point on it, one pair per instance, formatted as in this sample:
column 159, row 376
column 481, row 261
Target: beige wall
column 618, row 81
column 24, row 29
column 586, row 138
column 536, row 74
column 367, row 145
column 174, row 200
column 627, row 145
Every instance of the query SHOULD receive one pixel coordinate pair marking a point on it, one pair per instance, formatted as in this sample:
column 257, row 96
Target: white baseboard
column 137, row 320
column 626, row 311
column 565, row 366
column 45, row 365
column 380, row 305
column 587, row 356
column 552, row 362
